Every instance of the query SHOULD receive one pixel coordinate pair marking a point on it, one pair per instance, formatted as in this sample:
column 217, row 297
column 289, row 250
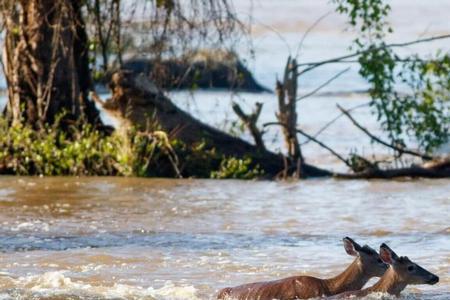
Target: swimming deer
column 401, row 272
column 366, row 265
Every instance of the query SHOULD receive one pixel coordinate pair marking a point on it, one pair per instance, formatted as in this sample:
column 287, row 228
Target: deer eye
column 411, row 268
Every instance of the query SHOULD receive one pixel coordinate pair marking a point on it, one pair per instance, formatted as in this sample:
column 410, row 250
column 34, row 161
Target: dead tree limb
column 380, row 141
column 136, row 100
column 250, row 121
column 323, row 128
column 287, row 114
column 441, row 170
column 94, row 96
column 313, row 92
column 337, row 155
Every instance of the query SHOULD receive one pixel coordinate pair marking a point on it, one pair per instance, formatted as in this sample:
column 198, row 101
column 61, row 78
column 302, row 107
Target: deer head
column 369, row 260
column 407, row 271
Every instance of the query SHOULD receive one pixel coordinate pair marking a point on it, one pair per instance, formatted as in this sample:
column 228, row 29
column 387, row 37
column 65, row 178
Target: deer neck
column 353, row 278
column 390, row 283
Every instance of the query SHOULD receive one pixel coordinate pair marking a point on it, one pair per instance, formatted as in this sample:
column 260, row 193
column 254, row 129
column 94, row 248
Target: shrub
column 235, row 168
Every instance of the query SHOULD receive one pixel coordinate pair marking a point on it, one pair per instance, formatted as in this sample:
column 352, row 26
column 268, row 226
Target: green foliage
column 410, row 95
column 82, row 150
column 165, row 4
column 368, row 16
column 197, row 160
column 233, row 127
column 77, row 151
column 235, row 168
column 51, row 152
column 360, row 164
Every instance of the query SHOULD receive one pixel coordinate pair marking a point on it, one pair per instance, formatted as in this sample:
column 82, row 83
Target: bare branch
column 250, row 121
column 323, row 85
column 309, row 30
column 378, row 140
column 314, row 140
column 312, row 65
column 334, row 120
column 94, row 96
column 345, row 161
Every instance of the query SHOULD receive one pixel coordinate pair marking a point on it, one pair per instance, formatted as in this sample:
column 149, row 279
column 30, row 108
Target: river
column 102, row 238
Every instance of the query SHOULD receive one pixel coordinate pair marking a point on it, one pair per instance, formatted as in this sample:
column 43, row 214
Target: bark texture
column 287, row 116
column 137, row 101
column 46, row 62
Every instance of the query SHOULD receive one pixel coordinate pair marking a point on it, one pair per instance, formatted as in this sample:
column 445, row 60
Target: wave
column 30, row 241
column 56, row 284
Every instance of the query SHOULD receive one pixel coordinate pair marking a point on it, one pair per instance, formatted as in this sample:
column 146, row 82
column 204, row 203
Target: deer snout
column 433, row 279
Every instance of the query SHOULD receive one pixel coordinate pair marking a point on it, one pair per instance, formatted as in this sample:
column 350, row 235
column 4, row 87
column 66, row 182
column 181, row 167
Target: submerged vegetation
column 233, row 168
column 82, row 150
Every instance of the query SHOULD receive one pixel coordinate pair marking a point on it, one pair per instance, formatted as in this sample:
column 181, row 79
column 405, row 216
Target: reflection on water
column 103, row 238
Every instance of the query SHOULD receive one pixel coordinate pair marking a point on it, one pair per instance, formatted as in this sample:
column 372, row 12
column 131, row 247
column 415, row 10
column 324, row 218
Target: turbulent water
column 118, row 238
column 102, row 238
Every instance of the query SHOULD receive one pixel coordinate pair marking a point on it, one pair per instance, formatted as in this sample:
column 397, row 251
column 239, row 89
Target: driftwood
column 435, row 169
column 137, row 101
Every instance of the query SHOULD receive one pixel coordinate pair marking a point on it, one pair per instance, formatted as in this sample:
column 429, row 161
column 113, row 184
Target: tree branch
column 334, row 120
column 345, row 161
column 378, row 140
column 250, row 121
column 312, row 65
column 323, row 85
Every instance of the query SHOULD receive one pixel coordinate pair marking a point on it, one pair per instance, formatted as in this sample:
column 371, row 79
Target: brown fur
column 401, row 273
column 300, row 287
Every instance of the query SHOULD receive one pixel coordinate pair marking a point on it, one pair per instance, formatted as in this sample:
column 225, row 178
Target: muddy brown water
column 122, row 238
column 126, row 238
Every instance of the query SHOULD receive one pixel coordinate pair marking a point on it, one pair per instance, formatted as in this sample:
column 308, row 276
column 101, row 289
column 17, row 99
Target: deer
column 401, row 272
column 366, row 265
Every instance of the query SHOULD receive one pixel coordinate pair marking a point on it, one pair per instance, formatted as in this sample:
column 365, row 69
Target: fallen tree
column 439, row 168
column 137, row 103
column 361, row 167
column 434, row 167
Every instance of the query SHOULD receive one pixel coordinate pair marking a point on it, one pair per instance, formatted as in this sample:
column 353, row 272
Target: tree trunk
column 138, row 102
column 46, row 63
column 438, row 168
column 287, row 115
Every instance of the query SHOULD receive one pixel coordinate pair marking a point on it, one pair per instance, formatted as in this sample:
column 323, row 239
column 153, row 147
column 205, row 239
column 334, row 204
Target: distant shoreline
column 342, row 93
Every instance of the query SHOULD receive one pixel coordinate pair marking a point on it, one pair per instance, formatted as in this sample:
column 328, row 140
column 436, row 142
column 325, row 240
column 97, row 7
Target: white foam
column 58, row 283
column 35, row 225
column 385, row 296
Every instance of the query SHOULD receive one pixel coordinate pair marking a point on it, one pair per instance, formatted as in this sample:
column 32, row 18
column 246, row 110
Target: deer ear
column 351, row 247
column 387, row 255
